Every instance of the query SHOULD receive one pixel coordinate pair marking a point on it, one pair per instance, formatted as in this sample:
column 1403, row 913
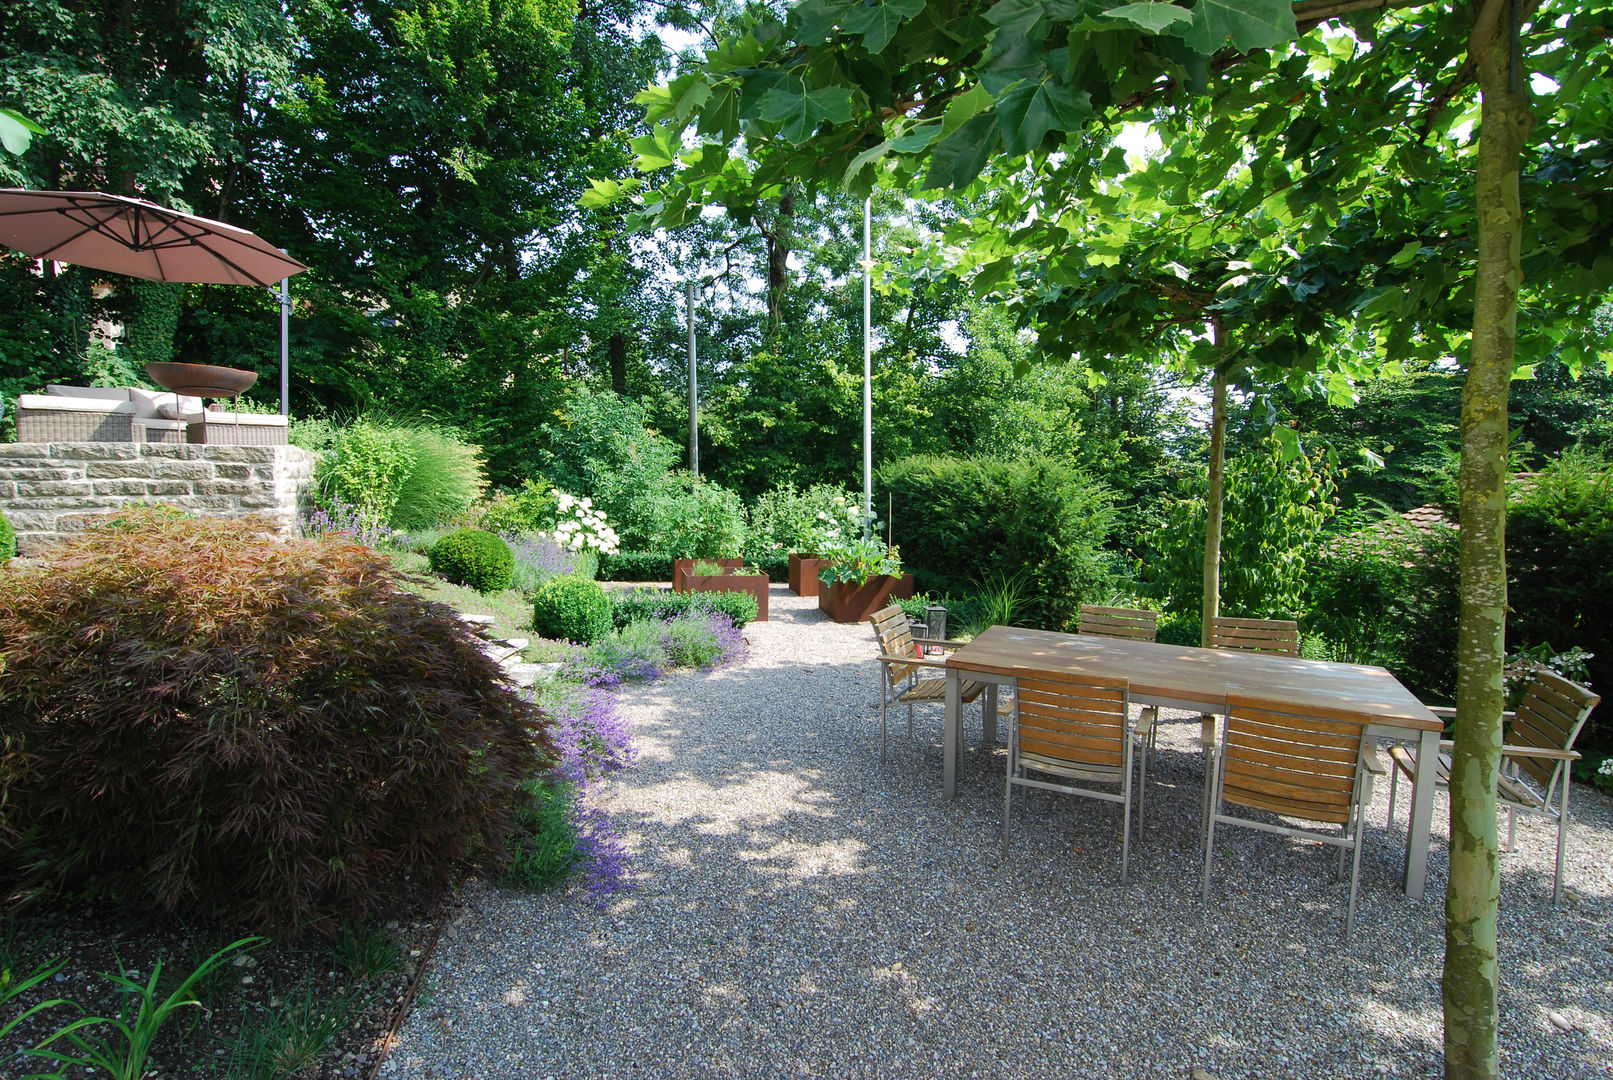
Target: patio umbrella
column 141, row 239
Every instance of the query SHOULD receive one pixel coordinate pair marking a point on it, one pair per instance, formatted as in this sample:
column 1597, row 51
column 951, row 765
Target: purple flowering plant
column 342, row 518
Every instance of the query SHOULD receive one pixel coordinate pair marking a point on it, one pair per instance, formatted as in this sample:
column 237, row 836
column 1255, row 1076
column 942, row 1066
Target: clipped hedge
column 636, row 566
column 474, row 558
column 627, row 607
column 245, row 696
column 572, row 609
column 962, row 521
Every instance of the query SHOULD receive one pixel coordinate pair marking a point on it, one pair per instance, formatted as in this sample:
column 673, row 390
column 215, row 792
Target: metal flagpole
column 868, row 367
column 285, row 347
column 694, row 386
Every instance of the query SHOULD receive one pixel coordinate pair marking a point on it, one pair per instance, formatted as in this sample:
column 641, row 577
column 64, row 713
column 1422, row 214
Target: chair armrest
column 911, row 661
column 1550, row 753
column 1447, row 712
column 937, row 642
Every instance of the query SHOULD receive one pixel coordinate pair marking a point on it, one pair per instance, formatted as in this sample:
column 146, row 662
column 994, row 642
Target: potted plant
column 711, row 575
column 682, row 568
column 861, row 578
column 827, row 532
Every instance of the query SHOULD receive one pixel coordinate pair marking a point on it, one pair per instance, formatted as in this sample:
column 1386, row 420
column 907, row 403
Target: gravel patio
column 801, row 910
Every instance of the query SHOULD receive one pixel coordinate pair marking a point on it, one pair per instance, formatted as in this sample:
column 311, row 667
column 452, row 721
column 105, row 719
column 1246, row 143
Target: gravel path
column 801, row 910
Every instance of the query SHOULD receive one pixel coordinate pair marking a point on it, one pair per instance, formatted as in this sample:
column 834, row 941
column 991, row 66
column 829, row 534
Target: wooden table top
column 1201, row 676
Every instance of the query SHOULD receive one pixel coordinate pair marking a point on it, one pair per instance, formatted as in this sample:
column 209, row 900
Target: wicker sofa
column 131, row 414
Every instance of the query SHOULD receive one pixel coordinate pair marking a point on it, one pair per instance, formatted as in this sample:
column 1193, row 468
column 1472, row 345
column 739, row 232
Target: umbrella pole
column 285, row 347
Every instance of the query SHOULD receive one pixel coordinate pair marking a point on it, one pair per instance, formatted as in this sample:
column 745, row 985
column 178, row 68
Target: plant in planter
column 706, row 575
column 860, row 578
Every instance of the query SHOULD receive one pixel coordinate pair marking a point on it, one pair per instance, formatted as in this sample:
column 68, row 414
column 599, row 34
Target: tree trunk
column 616, row 353
column 1471, row 979
column 1213, row 502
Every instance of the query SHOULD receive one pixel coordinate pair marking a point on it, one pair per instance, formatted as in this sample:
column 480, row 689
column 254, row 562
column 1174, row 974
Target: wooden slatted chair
column 1537, row 756
column 908, row 677
column 1278, row 636
column 1132, row 624
column 1138, row 624
column 1072, row 728
column 1309, row 766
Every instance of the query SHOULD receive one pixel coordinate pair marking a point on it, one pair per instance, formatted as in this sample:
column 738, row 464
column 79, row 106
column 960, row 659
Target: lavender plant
column 342, row 518
column 540, row 559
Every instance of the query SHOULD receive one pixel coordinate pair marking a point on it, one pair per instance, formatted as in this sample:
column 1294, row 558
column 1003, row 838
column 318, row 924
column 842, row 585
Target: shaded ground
column 801, row 909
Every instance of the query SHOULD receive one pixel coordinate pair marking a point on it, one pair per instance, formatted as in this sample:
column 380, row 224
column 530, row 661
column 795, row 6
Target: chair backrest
column 1550, row 717
column 1138, row 624
column 895, row 639
column 1076, row 722
column 1276, row 759
column 1256, row 635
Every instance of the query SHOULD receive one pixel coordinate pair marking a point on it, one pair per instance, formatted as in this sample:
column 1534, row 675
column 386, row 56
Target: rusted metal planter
column 755, row 584
column 804, row 574
column 846, row 603
column 682, row 570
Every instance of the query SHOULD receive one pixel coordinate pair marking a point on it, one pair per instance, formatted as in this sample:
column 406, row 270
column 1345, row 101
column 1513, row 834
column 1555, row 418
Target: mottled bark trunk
column 1471, row 898
column 1213, row 501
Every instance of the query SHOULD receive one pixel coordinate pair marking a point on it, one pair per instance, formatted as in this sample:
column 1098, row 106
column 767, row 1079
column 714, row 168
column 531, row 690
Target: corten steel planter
column 681, row 570
column 804, row 574
column 755, row 584
column 846, row 603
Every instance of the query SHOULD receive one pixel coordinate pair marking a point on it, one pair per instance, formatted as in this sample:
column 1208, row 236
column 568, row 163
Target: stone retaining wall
column 50, row 490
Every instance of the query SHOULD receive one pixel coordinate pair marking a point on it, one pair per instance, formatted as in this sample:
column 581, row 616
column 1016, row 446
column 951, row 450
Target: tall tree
column 940, row 89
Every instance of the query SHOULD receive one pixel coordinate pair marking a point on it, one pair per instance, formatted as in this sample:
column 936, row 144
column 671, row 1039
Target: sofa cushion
column 62, row 403
column 224, row 416
column 110, row 393
column 160, row 404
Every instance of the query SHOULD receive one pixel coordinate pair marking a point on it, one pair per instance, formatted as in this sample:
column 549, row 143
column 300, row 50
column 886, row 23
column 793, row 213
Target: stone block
column 206, row 502
column 93, row 451
column 183, row 470
column 224, row 487
column 259, row 502
column 56, row 502
column 180, row 451
column 120, row 487
column 31, row 520
column 16, row 451
column 235, row 471
column 247, row 454
column 8, row 490
column 118, row 470
column 50, row 471
column 48, row 489
column 168, row 487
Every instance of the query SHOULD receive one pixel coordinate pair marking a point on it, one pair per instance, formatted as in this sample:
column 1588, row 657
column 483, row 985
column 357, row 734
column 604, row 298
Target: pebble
column 801, row 910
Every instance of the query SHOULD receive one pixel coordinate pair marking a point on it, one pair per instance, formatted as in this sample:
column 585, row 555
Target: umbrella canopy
column 137, row 238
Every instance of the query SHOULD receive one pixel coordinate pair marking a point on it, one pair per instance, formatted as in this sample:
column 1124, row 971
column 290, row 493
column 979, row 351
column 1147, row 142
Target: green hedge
column 1560, row 562
column 959, row 521
column 636, row 566
column 8, row 541
column 740, row 608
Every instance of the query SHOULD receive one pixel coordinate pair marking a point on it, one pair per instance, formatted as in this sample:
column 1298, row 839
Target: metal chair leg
column 1008, row 784
column 1562, row 839
column 1355, row 873
column 1125, row 813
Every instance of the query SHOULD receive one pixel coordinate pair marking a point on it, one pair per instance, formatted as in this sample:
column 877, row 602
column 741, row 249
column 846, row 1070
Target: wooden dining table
column 1180, row 677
